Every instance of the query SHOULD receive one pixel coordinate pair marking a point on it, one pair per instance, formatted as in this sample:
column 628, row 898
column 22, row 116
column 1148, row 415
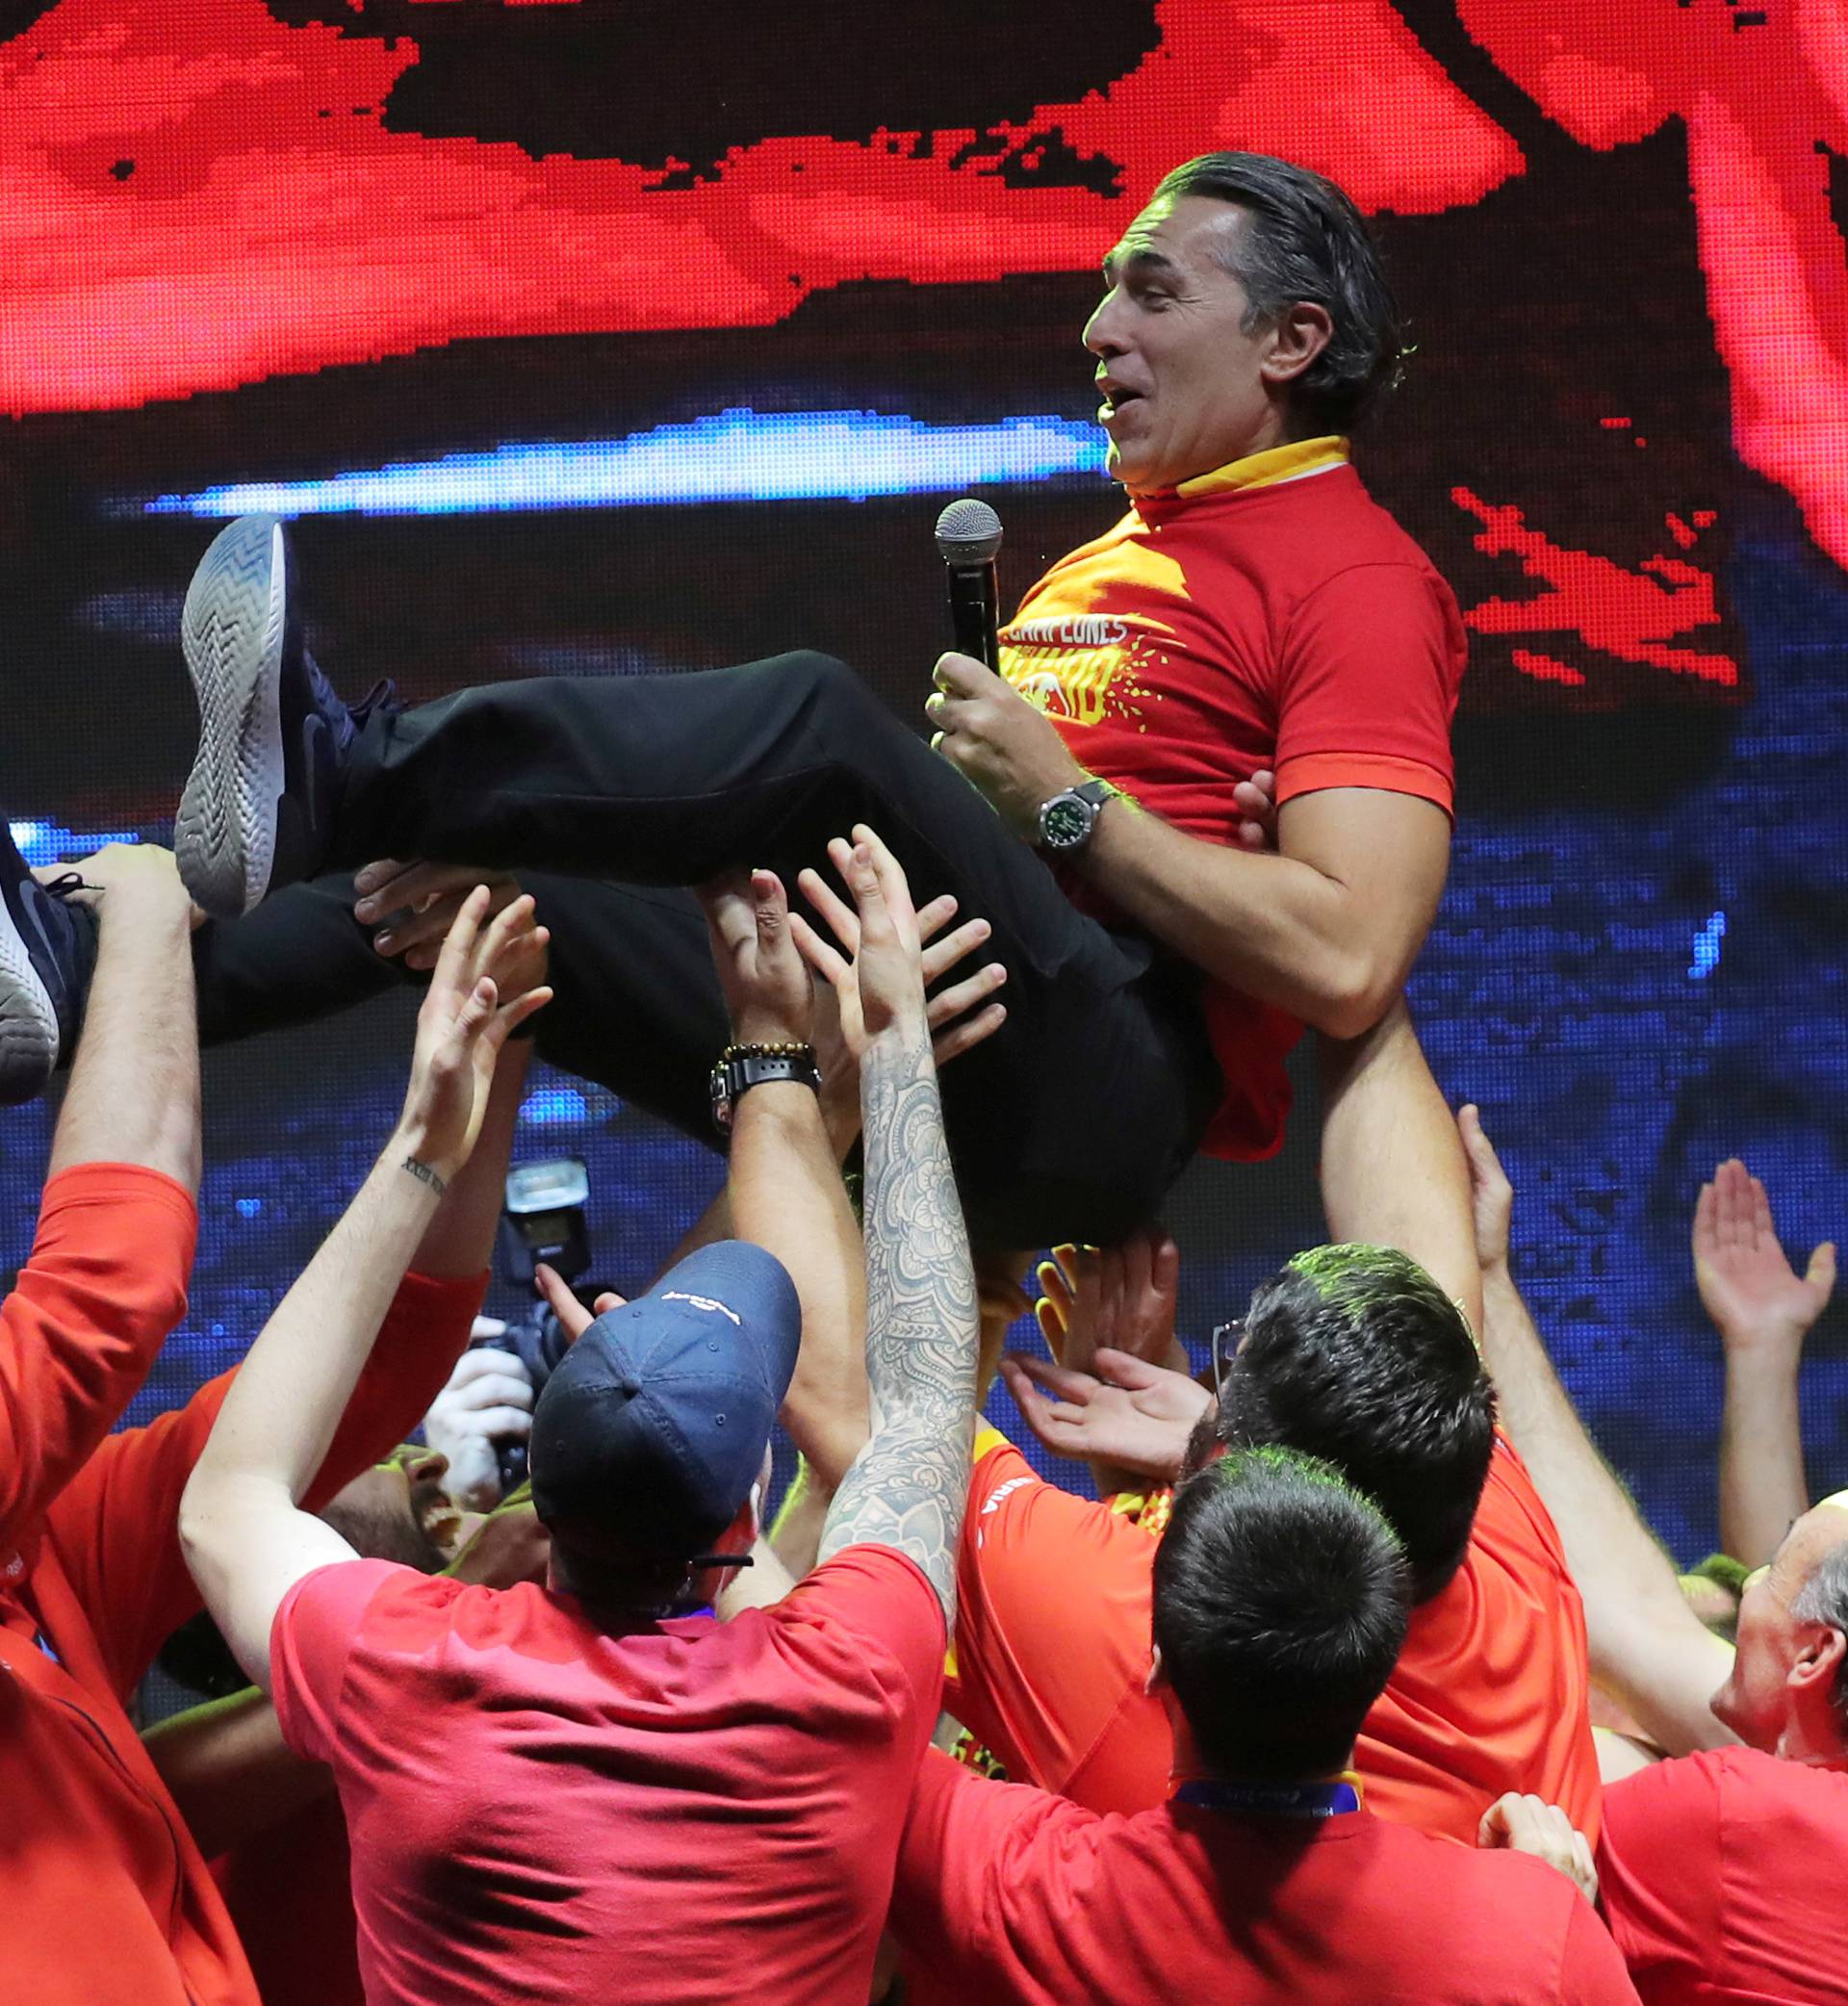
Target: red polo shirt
column 1723, row 1875
column 1010, row 1897
column 675, row 1815
column 1269, row 614
column 1490, row 1693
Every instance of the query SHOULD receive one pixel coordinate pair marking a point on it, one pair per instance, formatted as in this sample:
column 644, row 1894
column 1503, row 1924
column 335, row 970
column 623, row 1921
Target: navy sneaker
column 47, row 953
column 259, row 805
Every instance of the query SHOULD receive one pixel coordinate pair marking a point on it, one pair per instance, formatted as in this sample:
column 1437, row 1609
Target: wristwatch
column 742, row 1066
column 1067, row 819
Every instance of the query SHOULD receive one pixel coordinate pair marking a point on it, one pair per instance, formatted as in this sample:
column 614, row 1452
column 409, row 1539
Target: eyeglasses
column 1226, row 1340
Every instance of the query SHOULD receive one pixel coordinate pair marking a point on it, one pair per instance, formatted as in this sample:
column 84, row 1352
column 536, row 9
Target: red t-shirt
column 1269, row 614
column 1490, row 1693
column 687, row 1812
column 1723, row 1875
column 1013, row 1897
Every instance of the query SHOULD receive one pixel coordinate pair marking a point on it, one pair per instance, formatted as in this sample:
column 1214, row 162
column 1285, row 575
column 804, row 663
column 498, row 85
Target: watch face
column 1065, row 823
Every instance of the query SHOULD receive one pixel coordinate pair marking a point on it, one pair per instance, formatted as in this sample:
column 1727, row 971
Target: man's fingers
column 495, row 1422
column 1055, row 1430
column 457, row 952
column 483, row 1364
column 1493, row 1830
column 894, row 888
column 1056, row 1380
column 947, row 1007
column 966, row 1036
column 942, row 955
column 933, row 917
column 497, row 1389
column 1821, row 1271
column 572, row 1314
column 842, row 921
column 608, row 1300
column 1126, row 1370
column 729, row 918
column 512, row 1015
column 962, row 675
column 1053, row 1285
column 1706, row 1230
column 1051, row 1320
column 832, row 968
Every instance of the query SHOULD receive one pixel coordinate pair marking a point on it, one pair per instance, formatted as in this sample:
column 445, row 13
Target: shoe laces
column 65, row 883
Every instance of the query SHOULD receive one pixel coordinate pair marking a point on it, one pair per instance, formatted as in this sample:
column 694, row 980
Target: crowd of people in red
column 1356, row 1676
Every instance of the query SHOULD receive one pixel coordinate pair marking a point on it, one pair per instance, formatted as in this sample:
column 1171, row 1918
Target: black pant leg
column 1072, row 1122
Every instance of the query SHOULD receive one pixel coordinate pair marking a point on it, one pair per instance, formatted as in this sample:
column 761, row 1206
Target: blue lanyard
column 1277, row 1800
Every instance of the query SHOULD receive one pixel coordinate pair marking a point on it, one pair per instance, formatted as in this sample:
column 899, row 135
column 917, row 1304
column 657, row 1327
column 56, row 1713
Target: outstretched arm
column 1393, row 1172
column 245, row 1539
column 107, row 1277
column 1648, row 1648
column 1763, row 1310
column 908, row 1487
column 784, row 1190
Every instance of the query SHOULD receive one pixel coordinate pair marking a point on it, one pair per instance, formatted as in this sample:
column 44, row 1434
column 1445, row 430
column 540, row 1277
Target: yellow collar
column 1264, row 470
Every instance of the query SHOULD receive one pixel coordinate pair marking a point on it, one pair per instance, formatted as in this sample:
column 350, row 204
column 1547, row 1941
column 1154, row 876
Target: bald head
column 1787, row 1692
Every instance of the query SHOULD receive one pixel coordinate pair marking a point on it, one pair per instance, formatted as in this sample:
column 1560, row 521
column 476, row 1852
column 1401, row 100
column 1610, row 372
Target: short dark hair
column 1307, row 241
column 1281, row 1597
column 1355, row 1355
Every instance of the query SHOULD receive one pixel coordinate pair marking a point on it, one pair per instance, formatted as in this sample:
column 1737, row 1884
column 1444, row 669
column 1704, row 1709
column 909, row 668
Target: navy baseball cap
column 650, row 1434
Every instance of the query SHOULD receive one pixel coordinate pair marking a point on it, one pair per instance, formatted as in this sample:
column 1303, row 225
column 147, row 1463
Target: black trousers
column 1071, row 1122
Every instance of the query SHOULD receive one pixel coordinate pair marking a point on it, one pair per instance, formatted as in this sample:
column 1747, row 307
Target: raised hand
column 1747, row 1285
column 1127, row 1414
column 414, row 905
column 1529, row 1824
column 1490, row 1192
column 767, row 991
column 960, row 1017
column 478, row 995
column 1119, row 1298
column 886, row 990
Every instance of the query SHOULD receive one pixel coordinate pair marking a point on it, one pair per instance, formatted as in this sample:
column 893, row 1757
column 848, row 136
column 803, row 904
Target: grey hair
column 1307, row 241
column 1824, row 1598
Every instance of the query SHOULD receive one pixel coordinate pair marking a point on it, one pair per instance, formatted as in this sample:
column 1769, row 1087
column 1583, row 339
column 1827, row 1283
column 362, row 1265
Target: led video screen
column 600, row 336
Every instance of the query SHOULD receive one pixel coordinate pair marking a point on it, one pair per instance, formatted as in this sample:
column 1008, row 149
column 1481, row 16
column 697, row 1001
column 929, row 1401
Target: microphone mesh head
column 968, row 532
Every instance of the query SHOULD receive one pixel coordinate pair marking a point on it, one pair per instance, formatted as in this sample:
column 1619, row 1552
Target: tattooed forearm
column 907, row 1487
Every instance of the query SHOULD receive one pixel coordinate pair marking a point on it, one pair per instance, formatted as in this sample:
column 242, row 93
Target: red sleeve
column 118, row 1524
column 1660, row 1868
column 310, row 1642
column 886, row 1608
column 105, row 1283
column 962, row 1851
column 1592, row 1971
column 1041, row 1672
column 1370, row 667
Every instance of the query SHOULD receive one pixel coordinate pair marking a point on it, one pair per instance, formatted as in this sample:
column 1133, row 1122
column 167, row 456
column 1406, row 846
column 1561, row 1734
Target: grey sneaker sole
column 224, row 835
column 28, row 1024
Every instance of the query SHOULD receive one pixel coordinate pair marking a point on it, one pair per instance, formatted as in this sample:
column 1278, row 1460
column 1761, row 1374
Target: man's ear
column 1156, row 1672
column 1818, row 1659
column 1296, row 339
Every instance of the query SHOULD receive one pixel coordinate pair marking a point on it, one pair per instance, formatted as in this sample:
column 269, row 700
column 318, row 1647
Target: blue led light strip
column 737, row 455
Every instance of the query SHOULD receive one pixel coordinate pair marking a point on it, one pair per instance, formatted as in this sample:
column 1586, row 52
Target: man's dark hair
column 1355, row 1355
column 1281, row 1596
column 1306, row 241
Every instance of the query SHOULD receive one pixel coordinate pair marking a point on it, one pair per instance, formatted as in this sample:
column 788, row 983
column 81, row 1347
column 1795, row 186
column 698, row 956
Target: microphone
column 968, row 534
